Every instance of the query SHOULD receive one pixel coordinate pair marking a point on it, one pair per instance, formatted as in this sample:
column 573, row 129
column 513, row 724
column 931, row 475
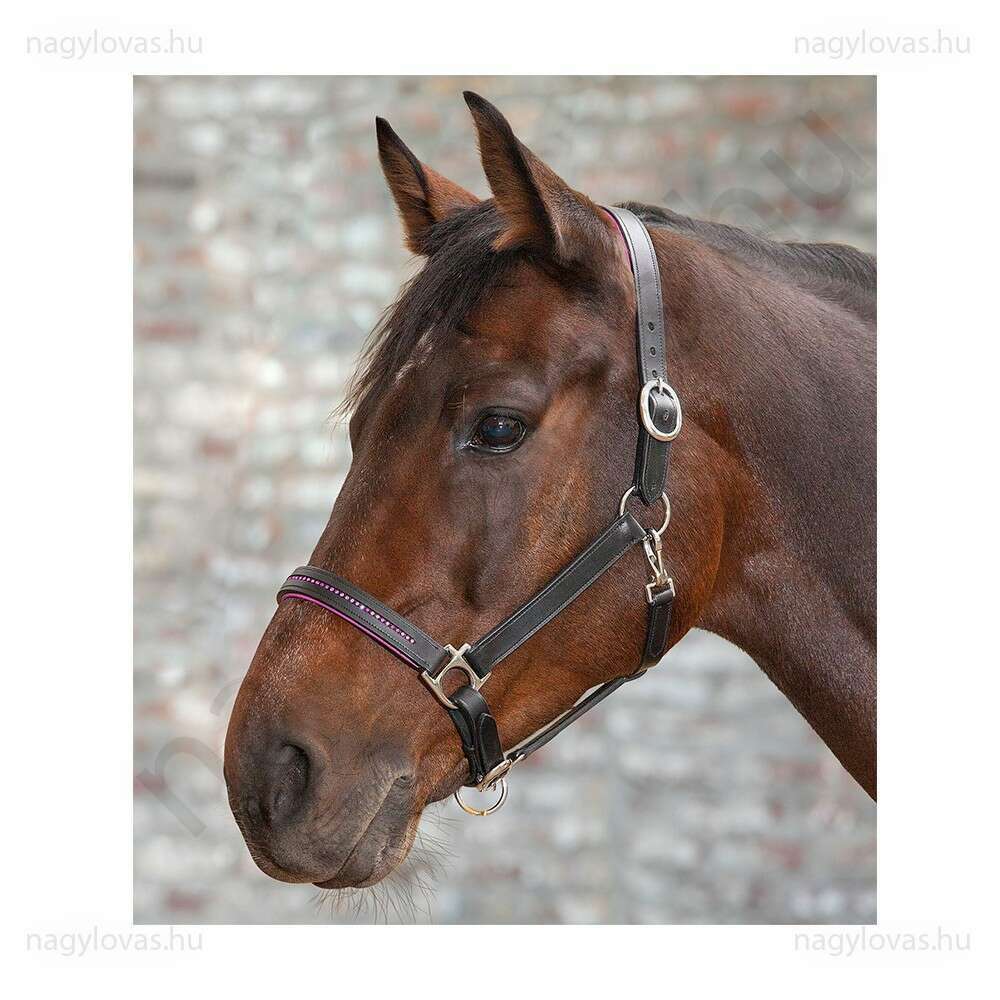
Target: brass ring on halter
column 666, row 509
column 647, row 419
column 489, row 810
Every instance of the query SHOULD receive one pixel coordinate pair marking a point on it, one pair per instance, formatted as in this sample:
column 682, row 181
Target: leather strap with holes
column 652, row 457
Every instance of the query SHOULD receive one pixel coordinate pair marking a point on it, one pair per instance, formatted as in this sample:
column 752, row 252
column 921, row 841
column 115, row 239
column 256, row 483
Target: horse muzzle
column 311, row 812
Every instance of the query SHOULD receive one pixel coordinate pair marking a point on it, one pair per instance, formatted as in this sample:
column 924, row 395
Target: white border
column 66, row 449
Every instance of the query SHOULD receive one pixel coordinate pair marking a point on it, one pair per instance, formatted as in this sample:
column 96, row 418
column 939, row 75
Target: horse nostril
column 289, row 780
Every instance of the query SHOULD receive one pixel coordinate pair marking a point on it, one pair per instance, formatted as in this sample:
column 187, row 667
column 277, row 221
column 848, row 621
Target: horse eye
column 498, row 432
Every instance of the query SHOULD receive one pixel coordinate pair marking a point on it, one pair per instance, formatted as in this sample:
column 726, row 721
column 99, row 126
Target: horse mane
column 462, row 268
column 835, row 262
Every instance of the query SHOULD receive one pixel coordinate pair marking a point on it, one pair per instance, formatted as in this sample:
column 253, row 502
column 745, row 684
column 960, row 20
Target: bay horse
column 492, row 424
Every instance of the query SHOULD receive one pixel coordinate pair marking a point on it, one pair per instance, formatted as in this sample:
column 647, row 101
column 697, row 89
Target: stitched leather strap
column 554, row 728
column 652, row 456
column 478, row 732
column 561, row 591
column 367, row 613
column 661, row 605
column 657, row 629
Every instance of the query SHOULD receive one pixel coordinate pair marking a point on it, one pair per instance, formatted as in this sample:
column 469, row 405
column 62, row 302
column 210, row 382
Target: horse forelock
column 461, row 269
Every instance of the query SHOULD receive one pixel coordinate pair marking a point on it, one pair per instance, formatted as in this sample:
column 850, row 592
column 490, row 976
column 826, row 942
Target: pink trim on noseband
column 363, row 607
column 350, row 621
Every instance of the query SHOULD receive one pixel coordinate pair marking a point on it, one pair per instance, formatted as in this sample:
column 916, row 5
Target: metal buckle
column 497, row 775
column 456, row 661
column 668, row 584
column 647, row 420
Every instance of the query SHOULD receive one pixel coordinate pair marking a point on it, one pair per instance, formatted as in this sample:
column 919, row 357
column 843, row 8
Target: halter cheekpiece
column 659, row 422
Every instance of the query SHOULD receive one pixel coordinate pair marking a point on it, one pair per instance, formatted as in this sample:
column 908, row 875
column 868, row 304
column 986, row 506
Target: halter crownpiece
column 659, row 420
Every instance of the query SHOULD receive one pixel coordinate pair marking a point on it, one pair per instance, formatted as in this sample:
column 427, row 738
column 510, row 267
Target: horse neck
column 781, row 381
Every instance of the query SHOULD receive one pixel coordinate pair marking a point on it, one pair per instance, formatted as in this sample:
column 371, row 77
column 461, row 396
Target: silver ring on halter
column 666, row 509
column 489, row 810
column 647, row 420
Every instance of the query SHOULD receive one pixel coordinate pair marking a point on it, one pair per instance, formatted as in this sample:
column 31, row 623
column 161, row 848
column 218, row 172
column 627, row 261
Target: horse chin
column 347, row 882
column 387, row 859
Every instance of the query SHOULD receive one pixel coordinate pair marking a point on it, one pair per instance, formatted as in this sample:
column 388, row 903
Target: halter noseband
column 659, row 413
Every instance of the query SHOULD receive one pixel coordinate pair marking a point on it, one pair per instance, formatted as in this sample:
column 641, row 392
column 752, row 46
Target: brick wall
column 266, row 246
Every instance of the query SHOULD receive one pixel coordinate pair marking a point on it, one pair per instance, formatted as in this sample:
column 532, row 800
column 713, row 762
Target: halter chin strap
column 659, row 422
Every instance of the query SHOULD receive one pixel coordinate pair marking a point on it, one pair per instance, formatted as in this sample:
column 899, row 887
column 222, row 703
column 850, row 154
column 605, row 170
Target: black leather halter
column 659, row 419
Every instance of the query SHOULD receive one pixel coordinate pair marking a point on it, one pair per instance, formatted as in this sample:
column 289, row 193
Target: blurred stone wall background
column 265, row 247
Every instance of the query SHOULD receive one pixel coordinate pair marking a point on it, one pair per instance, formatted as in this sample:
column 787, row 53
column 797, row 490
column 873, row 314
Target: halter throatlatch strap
column 659, row 419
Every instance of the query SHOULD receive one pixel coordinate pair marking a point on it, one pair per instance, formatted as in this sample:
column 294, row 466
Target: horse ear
column 422, row 195
column 542, row 211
